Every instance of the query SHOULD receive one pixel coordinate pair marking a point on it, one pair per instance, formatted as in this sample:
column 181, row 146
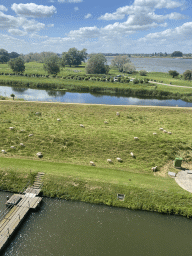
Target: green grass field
column 68, row 149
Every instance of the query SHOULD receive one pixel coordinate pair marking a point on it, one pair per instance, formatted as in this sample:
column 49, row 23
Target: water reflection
column 91, row 98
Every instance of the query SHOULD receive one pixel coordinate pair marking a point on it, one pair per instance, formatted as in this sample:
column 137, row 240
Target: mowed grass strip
column 65, row 141
column 98, row 185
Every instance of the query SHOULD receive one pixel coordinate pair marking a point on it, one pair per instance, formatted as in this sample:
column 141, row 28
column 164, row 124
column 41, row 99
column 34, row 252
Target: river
column 70, row 97
column 64, row 228
column 160, row 64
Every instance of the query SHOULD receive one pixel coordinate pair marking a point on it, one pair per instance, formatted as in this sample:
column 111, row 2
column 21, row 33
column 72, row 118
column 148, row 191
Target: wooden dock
column 19, row 205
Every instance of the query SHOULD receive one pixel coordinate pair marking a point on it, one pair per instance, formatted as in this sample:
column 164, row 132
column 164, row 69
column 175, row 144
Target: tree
column 4, row 56
column 13, row 96
column 187, row 75
column 17, row 65
column 51, row 65
column 73, row 57
column 173, row 73
column 177, row 54
column 13, row 55
column 96, row 64
column 129, row 68
column 120, row 61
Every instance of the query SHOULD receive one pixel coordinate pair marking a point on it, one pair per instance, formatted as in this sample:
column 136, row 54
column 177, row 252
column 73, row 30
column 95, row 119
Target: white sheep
column 11, row 128
column 119, row 159
column 154, row 133
column 161, row 129
column 169, row 133
column 81, row 125
column 132, row 154
column 164, row 131
column 105, row 122
column 154, row 169
column 30, row 135
column 92, row 163
column 12, row 147
column 58, row 120
column 109, row 161
column 22, row 145
column 136, row 138
column 117, row 113
column 3, row 151
column 39, row 154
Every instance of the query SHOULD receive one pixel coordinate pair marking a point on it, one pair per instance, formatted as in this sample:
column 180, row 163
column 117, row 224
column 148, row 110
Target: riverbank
column 74, row 79
column 68, row 148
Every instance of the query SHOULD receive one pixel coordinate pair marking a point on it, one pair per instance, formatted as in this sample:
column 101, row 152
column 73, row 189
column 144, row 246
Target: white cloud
column 181, row 33
column 76, row 8
column 50, row 25
column 17, row 32
column 85, row 32
column 70, row 1
column 10, row 22
column 33, row 10
column 89, row 15
column 3, row 8
column 140, row 7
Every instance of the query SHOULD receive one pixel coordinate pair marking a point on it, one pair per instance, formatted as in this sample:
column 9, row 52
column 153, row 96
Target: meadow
column 68, row 148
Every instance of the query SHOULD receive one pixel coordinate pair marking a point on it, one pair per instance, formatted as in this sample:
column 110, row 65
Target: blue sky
column 116, row 26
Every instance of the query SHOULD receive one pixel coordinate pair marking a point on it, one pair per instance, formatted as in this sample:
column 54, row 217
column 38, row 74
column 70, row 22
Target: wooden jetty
column 19, row 205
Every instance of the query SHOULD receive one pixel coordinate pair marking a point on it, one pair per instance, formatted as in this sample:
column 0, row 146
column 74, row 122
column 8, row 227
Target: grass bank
column 68, row 148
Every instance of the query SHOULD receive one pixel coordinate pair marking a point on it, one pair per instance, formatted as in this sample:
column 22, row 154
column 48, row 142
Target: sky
column 105, row 26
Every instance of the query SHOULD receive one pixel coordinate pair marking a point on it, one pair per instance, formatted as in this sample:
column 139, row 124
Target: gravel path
column 184, row 180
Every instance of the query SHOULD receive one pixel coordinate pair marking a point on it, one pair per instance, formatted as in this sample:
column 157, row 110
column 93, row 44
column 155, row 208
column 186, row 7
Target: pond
column 65, row 228
column 70, row 97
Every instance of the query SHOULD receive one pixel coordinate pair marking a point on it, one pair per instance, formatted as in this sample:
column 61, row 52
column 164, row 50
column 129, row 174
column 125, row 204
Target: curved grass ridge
column 68, row 148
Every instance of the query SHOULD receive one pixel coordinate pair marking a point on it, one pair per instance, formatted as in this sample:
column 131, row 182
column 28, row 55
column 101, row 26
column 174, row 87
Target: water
column 74, row 228
column 70, row 97
column 160, row 64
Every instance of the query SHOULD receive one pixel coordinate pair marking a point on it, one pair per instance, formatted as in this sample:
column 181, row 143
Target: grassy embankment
column 72, row 79
column 68, row 148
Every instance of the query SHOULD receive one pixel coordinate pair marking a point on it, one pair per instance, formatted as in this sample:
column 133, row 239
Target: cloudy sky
column 116, row 26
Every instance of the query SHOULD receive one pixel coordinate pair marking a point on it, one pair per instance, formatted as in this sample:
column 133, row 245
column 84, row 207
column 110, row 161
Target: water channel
column 71, row 97
column 64, row 228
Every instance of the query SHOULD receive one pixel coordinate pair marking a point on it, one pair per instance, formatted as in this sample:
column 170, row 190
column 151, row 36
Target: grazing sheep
column 119, row 159
column 105, row 122
column 109, row 161
column 12, row 147
column 30, row 135
column 92, row 163
column 11, row 128
column 132, row 154
column 169, row 133
column 154, row 169
column 22, row 145
column 81, row 125
column 161, row 129
column 3, row 151
column 58, row 120
column 154, row 133
column 39, row 154
column 164, row 131
column 117, row 114
column 136, row 138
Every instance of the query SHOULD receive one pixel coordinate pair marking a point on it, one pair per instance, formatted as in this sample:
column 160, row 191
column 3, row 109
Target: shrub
column 136, row 81
column 143, row 72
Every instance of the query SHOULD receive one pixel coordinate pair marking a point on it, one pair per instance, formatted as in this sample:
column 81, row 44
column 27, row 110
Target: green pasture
column 68, row 148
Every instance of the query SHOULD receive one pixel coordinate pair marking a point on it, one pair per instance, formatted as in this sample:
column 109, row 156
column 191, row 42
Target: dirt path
column 184, row 180
column 170, row 84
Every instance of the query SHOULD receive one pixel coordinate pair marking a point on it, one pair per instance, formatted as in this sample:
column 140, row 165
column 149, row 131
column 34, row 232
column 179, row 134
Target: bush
column 146, row 80
column 143, row 72
column 187, row 75
column 136, row 81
